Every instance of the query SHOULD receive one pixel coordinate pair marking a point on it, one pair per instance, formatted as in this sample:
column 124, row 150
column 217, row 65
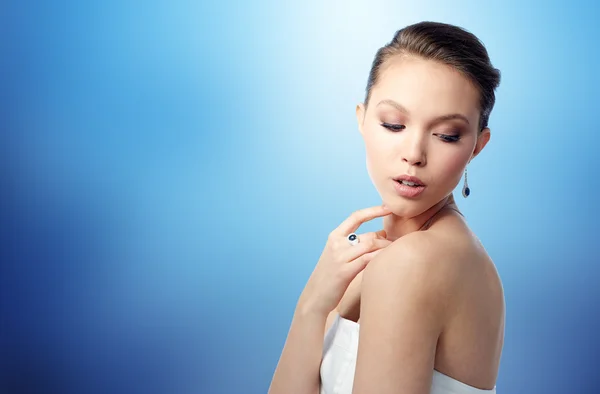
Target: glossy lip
column 409, row 178
column 408, row 191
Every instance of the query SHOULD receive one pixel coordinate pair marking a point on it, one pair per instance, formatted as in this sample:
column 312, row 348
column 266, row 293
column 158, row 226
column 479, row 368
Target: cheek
column 369, row 163
column 453, row 168
column 375, row 156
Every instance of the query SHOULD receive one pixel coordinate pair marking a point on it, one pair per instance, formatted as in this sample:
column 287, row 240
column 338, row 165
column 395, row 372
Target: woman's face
column 421, row 121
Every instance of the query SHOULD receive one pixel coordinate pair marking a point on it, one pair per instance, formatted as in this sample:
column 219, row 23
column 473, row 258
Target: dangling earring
column 466, row 191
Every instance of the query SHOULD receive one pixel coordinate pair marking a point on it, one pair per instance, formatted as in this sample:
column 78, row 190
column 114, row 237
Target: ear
column 360, row 116
column 482, row 140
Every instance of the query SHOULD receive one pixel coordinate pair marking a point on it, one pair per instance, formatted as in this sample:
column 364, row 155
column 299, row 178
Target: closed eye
column 393, row 127
column 448, row 138
column 443, row 137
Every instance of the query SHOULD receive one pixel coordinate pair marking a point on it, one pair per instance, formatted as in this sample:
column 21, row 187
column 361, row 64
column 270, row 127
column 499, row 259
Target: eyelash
column 399, row 127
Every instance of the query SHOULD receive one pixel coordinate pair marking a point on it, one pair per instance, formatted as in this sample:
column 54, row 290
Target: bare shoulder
column 441, row 263
column 440, row 258
column 436, row 298
column 464, row 254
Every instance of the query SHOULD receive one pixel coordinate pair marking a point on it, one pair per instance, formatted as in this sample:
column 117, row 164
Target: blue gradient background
column 170, row 171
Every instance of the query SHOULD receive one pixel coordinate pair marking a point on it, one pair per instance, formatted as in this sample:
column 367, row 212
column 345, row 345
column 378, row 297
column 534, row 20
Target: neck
column 397, row 226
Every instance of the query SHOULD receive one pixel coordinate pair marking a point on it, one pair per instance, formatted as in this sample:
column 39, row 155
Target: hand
column 340, row 261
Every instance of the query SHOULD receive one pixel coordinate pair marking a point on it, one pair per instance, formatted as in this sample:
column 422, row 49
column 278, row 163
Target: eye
column 393, row 127
column 448, row 138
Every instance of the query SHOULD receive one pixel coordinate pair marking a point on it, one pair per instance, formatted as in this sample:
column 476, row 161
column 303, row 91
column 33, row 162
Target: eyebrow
column 436, row 120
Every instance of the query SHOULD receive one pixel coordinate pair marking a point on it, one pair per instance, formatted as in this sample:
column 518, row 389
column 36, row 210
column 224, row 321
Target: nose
column 413, row 148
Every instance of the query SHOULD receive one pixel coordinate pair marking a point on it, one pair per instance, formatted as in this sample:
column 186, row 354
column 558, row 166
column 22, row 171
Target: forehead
column 426, row 88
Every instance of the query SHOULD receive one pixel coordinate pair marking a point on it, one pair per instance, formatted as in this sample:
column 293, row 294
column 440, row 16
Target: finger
column 353, row 222
column 367, row 237
column 355, row 267
column 381, row 234
column 355, row 251
column 374, row 244
column 341, row 244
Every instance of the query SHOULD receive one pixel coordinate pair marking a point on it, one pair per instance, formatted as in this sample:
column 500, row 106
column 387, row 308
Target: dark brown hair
column 447, row 44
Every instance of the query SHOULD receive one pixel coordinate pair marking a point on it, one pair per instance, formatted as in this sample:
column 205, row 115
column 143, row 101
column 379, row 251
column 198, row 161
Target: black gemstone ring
column 353, row 239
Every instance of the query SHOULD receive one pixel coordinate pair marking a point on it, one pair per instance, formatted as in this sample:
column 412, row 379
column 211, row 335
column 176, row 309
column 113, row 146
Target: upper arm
column 405, row 293
column 347, row 304
column 329, row 321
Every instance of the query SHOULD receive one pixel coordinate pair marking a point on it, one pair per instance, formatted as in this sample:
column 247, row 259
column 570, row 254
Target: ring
column 353, row 239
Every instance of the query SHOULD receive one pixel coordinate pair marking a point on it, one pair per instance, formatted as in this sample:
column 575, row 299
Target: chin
column 400, row 208
column 405, row 207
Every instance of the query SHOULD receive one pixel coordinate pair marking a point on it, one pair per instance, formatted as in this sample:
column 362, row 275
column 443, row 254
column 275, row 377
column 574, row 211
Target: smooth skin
column 339, row 264
column 425, row 300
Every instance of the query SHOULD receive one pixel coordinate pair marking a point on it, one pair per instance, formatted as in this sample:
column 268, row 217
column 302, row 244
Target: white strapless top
column 339, row 363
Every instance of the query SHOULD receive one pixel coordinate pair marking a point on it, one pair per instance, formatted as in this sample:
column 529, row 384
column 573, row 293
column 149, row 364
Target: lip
column 409, row 178
column 408, row 191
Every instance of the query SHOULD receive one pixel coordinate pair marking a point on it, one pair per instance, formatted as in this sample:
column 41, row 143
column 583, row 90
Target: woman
column 422, row 294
